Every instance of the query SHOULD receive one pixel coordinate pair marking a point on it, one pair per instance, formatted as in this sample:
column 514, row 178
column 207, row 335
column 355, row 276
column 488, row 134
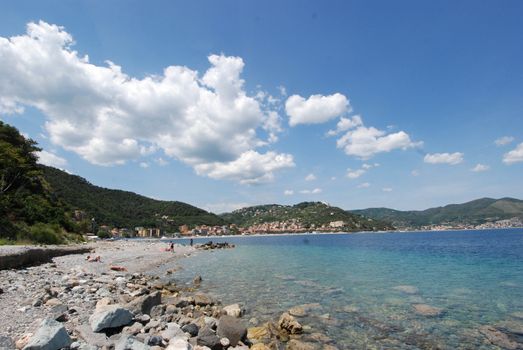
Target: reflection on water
column 406, row 291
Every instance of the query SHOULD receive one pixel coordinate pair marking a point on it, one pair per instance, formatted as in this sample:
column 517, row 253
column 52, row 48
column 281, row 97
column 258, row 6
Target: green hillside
column 28, row 210
column 310, row 214
column 121, row 208
column 474, row 212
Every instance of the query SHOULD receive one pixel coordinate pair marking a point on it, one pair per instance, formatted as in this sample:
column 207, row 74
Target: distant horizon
column 406, row 105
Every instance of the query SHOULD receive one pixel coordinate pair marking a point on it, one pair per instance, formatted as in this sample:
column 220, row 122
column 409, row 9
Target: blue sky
column 414, row 94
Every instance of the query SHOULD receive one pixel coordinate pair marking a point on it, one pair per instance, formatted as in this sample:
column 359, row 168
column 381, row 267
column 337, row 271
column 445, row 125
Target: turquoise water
column 474, row 277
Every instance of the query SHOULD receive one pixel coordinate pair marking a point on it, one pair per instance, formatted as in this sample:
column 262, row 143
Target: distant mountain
column 311, row 215
column 121, row 208
column 474, row 212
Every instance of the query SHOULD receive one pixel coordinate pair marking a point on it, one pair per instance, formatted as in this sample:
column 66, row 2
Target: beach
column 114, row 298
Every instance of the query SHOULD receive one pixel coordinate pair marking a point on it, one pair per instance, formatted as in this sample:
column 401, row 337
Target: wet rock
column 130, row 343
column 259, row 346
column 499, row 338
column 231, row 328
column 203, row 300
column 143, row 304
column 297, row 311
column 192, row 329
column 51, row 335
column 110, row 316
column 406, row 289
column 427, row 310
column 206, row 337
column 289, row 324
column 234, row 310
column 197, row 280
column 294, row 344
column 258, row 334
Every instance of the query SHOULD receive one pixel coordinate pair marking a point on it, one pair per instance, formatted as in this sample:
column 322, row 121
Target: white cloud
column 310, row 177
column 414, row 172
column 314, row 191
column 354, row 174
column 250, row 168
column 444, row 158
column 316, row 109
column 346, row 124
column 144, row 165
column 514, row 156
column 50, row 159
column 108, row 117
column 365, row 142
column 288, row 192
column 386, row 189
column 282, row 90
column 505, row 140
column 480, row 167
column 364, row 185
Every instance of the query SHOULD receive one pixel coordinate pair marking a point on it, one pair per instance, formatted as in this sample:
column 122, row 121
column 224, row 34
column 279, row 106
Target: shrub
column 42, row 233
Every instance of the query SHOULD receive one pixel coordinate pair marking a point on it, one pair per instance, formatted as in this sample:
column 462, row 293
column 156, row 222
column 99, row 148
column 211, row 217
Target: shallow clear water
column 475, row 277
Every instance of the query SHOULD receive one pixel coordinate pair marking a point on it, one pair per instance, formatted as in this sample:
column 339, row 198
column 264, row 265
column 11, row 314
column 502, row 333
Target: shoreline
column 120, row 303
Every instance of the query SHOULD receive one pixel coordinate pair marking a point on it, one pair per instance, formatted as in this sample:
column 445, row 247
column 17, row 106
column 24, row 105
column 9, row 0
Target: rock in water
column 289, row 324
column 130, row 343
column 110, row 316
column 50, row 336
column 294, row 344
column 231, row 328
column 234, row 310
column 427, row 310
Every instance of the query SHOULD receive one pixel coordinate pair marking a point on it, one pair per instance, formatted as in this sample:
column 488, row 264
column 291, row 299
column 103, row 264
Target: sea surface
column 368, row 283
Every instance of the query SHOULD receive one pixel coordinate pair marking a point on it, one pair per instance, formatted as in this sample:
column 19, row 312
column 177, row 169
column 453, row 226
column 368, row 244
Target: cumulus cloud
column 505, row 140
column 310, row 177
column 316, row 109
column 365, row 142
column 144, row 165
column 364, row 185
column 480, row 168
column 50, row 159
column 108, row 117
column 313, row 191
column 250, row 168
column 444, row 158
column 514, row 156
column 288, row 192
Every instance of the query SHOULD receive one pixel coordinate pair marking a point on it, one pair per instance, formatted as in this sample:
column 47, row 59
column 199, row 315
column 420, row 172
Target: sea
column 364, row 287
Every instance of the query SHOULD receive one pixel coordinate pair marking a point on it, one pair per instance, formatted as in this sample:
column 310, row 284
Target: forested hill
column 311, row 215
column 474, row 212
column 122, row 208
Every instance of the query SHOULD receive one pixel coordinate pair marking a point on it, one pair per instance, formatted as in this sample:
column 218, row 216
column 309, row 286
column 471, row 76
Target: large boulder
column 231, row 328
column 143, row 304
column 207, row 337
column 289, row 324
column 110, row 316
column 51, row 335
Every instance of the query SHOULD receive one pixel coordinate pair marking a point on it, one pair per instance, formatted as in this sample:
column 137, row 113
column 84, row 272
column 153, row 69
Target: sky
column 226, row 104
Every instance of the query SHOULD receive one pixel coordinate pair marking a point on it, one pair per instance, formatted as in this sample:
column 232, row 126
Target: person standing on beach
column 190, row 242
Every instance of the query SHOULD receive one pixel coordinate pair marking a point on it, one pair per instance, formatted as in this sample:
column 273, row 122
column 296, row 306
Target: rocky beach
column 118, row 296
